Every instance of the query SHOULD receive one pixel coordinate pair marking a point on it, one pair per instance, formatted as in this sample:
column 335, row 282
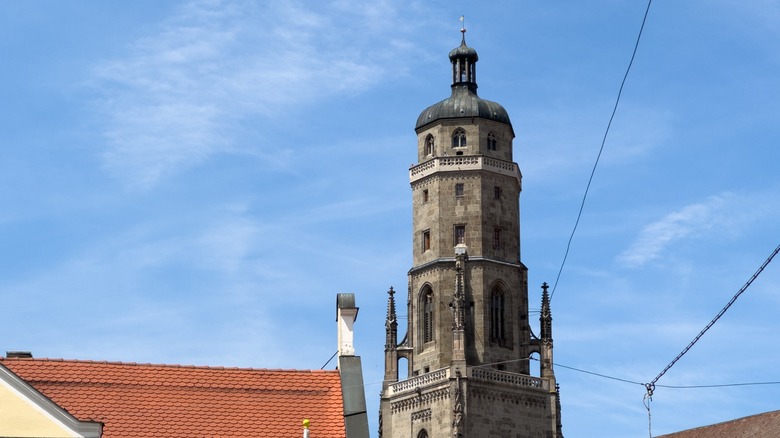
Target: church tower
column 468, row 340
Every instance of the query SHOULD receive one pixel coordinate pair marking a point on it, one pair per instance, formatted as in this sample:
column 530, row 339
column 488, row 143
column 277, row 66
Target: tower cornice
column 473, row 260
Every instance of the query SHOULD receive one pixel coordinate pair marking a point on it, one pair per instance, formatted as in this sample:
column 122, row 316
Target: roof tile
column 766, row 425
column 177, row 401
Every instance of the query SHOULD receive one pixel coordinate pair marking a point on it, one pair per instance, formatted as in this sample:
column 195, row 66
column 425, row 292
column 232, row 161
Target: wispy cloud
column 554, row 153
column 654, row 238
column 180, row 93
column 225, row 261
column 728, row 213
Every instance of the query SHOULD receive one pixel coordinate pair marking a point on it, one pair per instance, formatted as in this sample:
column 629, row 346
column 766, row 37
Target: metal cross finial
column 463, row 25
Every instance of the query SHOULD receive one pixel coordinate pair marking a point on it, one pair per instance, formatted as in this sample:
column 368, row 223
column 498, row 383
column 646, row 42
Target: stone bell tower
column 468, row 341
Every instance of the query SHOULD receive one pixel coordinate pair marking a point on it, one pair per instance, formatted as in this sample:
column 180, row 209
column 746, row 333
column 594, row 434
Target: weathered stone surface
column 468, row 379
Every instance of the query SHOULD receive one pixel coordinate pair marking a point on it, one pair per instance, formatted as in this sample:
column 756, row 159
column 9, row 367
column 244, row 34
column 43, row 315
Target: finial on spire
column 545, row 318
column 463, row 27
column 391, row 323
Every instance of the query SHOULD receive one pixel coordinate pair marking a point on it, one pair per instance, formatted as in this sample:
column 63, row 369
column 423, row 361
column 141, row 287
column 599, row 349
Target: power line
column 601, row 149
column 605, row 376
column 646, row 401
column 331, row 358
column 598, row 375
column 502, row 362
column 714, row 320
column 618, row 379
column 722, row 385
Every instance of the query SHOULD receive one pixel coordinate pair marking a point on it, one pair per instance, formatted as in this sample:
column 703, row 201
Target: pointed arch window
column 498, row 316
column 459, row 138
column 423, row 434
column 427, row 315
column 492, row 143
column 429, row 146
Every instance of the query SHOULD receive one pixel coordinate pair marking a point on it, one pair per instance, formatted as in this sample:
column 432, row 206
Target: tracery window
column 429, row 145
column 427, row 315
column 459, row 138
column 497, row 316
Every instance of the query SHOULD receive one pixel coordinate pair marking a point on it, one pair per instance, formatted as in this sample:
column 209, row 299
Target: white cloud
column 723, row 215
column 690, row 220
column 179, row 95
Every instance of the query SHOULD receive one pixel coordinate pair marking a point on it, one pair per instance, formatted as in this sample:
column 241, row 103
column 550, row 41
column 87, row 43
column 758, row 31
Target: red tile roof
column 766, row 425
column 143, row 400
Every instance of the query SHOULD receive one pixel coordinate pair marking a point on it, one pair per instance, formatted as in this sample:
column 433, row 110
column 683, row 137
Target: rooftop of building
column 147, row 400
column 766, row 425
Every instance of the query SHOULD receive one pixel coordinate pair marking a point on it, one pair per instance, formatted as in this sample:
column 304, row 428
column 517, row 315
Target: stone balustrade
column 463, row 162
column 420, row 381
column 507, row 378
column 483, row 374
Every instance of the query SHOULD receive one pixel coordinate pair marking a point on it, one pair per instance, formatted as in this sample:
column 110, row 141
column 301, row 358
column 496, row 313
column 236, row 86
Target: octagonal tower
column 468, row 339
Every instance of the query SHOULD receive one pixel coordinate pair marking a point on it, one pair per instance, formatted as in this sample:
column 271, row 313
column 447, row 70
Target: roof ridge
column 718, row 424
column 147, row 364
column 741, row 418
column 132, row 399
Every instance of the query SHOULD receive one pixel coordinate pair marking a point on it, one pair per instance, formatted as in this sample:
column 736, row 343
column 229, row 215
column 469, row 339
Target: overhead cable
column 601, row 149
column 605, row 376
column 714, row 320
column 331, row 358
column 598, row 375
column 722, row 385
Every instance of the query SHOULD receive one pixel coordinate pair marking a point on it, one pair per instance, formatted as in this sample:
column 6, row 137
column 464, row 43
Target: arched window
column 427, row 315
column 497, row 316
column 492, row 143
column 429, row 146
column 403, row 368
column 423, row 434
column 459, row 138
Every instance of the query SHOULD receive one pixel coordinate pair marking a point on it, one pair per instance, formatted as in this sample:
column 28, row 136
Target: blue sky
column 193, row 182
